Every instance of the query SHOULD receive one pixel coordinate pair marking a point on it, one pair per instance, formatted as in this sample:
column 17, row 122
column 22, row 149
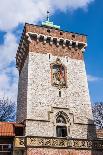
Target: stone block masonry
column 39, row 102
column 43, row 151
column 53, row 94
column 58, row 146
column 43, row 101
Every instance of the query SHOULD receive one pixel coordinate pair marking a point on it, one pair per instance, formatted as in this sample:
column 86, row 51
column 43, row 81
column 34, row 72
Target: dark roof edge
column 56, row 29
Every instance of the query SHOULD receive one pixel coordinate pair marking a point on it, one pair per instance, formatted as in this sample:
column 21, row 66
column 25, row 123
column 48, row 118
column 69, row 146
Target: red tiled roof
column 7, row 129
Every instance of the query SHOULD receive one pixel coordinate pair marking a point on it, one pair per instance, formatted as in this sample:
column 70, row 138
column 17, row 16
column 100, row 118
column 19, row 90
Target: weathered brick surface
column 54, row 50
column 39, row 47
column 55, row 33
column 41, row 151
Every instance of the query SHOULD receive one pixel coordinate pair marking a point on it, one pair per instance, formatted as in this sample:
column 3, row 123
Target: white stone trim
column 64, row 42
column 51, row 41
column 58, row 41
column 70, row 42
column 29, row 39
column 38, row 36
column 45, row 37
column 76, row 43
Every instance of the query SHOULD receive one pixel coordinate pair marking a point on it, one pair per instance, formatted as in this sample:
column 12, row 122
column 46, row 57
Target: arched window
column 61, row 128
column 60, row 119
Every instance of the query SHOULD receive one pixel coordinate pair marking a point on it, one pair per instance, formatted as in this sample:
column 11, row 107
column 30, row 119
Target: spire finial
column 47, row 23
column 48, row 16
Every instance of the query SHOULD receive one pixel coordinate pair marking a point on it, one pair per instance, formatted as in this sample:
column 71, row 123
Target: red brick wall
column 54, row 50
column 44, row 151
column 55, row 33
column 59, row 51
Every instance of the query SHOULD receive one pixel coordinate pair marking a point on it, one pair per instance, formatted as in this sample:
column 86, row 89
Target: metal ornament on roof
column 49, row 24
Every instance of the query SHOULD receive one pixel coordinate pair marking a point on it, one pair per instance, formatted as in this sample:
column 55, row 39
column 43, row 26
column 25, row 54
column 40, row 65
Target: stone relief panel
column 58, row 74
column 50, row 142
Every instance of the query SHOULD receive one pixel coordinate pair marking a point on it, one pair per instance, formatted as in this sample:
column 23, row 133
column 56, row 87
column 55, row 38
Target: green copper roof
column 50, row 24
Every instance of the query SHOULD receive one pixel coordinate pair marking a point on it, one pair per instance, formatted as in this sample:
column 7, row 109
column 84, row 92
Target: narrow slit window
column 59, row 93
column 49, row 56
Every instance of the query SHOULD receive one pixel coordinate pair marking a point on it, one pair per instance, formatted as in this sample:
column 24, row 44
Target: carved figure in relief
column 58, row 74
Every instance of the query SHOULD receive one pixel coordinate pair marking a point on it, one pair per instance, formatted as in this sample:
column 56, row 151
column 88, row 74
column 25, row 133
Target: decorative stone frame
column 34, row 142
column 67, row 124
column 58, row 62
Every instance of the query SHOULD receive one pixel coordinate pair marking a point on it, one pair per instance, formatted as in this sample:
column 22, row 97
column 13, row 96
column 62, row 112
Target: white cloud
column 14, row 12
column 8, row 50
column 8, row 83
column 8, row 74
column 92, row 78
column 71, row 4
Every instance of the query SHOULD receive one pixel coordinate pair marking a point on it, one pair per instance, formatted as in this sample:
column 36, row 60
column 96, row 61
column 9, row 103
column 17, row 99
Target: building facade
column 53, row 98
column 8, row 131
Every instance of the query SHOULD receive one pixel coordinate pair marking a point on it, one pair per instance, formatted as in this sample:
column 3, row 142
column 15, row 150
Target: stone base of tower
column 47, row 151
column 31, row 145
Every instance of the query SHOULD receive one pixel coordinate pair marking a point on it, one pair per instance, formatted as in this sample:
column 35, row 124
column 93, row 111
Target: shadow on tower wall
column 92, row 135
column 91, row 130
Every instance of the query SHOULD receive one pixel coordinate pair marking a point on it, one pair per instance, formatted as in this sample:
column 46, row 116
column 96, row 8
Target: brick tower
column 53, row 98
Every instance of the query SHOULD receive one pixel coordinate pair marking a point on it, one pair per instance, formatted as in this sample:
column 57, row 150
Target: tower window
column 49, row 56
column 61, row 119
column 73, row 35
column 59, row 93
column 61, row 128
column 48, row 30
column 61, row 131
column 61, row 33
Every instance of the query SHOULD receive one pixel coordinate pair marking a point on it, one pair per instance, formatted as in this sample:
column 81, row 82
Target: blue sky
column 89, row 22
column 82, row 16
